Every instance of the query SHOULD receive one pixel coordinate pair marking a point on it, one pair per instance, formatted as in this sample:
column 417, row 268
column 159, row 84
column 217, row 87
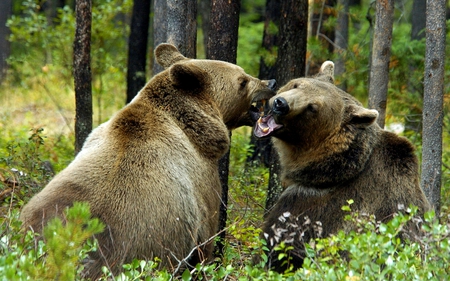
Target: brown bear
column 150, row 173
column 331, row 150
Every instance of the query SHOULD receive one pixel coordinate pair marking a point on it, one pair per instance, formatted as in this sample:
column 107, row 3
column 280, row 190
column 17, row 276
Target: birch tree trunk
column 432, row 117
column 381, row 54
column 82, row 72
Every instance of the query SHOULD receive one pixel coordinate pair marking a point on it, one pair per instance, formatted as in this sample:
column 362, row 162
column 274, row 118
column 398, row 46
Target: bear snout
column 280, row 106
column 272, row 84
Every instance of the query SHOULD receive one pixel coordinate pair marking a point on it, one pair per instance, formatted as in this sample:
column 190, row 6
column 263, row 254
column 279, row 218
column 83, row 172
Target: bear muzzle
column 280, row 106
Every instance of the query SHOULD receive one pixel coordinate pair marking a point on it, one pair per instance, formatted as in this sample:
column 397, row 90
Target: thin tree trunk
column 222, row 45
column 159, row 29
column 433, row 102
column 381, row 54
column 82, row 72
column 5, row 13
column 341, row 41
column 182, row 26
column 262, row 152
column 204, row 8
column 415, row 86
column 137, row 48
column 290, row 64
column 175, row 22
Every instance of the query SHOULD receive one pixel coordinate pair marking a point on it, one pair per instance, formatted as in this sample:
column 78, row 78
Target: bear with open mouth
column 331, row 150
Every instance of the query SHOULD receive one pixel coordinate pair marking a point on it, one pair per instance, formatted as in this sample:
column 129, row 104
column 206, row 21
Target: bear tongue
column 265, row 126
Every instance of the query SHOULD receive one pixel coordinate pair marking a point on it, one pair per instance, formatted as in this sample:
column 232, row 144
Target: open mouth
column 265, row 126
column 257, row 109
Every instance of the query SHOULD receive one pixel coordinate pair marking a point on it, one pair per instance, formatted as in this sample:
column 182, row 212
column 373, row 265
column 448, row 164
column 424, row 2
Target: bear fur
column 331, row 150
column 150, row 173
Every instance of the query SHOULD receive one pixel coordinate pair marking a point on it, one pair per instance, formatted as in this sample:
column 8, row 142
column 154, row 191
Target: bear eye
column 313, row 107
column 243, row 83
column 295, row 86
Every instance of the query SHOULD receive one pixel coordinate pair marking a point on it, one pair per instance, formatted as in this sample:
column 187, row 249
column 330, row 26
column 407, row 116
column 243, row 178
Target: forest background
column 38, row 108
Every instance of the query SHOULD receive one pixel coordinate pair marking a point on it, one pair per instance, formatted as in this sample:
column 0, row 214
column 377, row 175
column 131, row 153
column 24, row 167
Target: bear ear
column 187, row 76
column 167, row 54
column 326, row 72
column 362, row 117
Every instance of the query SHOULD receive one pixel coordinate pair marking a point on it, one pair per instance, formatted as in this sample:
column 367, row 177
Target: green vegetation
column 37, row 119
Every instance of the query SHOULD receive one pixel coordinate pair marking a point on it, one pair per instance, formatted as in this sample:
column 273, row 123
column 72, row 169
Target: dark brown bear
column 331, row 150
column 151, row 172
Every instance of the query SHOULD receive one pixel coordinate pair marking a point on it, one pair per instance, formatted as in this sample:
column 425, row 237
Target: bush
column 58, row 256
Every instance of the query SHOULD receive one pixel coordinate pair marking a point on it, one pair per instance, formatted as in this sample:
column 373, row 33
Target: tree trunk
column 159, row 29
column 433, row 101
column 290, row 64
column 175, row 22
column 222, row 45
column 262, row 148
column 341, row 41
column 82, row 72
column 415, row 86
column 182, row 26
column 137, row 48
column 5, row 13
column 381, row 53
column 204, row 8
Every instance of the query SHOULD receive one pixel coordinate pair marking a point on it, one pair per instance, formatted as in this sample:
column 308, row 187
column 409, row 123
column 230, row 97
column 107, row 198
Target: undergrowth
column 373, row 251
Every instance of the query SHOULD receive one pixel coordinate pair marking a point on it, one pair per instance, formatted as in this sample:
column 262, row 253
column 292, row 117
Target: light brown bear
column 332, row 150
column 151, row 172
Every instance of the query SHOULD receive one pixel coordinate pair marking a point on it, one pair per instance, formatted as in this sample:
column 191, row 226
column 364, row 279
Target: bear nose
column 280, row 106
column 272, row 84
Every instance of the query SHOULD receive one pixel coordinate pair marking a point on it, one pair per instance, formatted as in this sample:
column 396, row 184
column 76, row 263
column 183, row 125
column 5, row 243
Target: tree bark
column 222, row 45
column 381, row 53
column 204, row 8
column 182, row 26
column 175, row 22
column 290, row 64
column 5, row 13
column 159, row 29
column 414, row 85
column 137, row 48
column 82, row 72
column 341, row 41
column 262, row 148
column 433, row 101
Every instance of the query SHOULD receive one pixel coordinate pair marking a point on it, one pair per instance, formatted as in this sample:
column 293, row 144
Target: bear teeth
column 263, row 128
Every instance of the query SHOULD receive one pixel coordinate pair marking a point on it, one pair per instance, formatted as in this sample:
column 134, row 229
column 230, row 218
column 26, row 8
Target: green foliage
column 25, row 167
column 40, row 74
column 58, row 256
column 375, row 252
column 43, row 48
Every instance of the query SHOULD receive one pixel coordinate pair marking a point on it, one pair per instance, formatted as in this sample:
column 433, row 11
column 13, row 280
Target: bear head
column 315, row 124
column 222, row 81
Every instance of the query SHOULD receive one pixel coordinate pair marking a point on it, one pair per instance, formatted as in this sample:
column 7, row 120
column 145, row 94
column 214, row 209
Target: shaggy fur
column 331, row 150
column 151, row 172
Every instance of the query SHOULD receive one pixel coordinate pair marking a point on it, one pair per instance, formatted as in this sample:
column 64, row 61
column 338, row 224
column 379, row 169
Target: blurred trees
column 5, row 13
column 137, row 48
